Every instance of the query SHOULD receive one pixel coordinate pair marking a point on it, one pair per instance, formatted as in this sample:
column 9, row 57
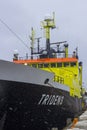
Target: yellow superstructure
column 67, row 73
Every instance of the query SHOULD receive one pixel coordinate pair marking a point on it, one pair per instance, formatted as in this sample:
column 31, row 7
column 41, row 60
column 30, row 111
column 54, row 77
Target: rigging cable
column 13, row 33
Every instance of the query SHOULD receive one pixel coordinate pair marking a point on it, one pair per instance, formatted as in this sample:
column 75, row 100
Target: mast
column 47, row 24
column 32, row 38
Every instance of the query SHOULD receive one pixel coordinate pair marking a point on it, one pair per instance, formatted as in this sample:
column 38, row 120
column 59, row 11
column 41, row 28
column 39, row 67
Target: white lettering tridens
column 51, row 100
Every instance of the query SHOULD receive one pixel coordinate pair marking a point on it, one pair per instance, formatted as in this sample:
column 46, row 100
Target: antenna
column 54, row 20
column 58, row 43
column 38, row 41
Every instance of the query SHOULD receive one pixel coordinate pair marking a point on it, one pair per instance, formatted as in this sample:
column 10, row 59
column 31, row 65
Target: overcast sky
column 21, row 15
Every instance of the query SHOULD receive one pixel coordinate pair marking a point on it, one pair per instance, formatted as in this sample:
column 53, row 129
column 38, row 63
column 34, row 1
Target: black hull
column 29, row 106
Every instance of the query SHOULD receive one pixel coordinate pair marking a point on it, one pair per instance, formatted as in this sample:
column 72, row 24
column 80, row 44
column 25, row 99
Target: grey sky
column 21, row 15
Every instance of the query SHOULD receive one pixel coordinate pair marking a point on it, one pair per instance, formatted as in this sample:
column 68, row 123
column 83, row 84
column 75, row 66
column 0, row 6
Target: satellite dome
column 48, row 17
column 15, row 51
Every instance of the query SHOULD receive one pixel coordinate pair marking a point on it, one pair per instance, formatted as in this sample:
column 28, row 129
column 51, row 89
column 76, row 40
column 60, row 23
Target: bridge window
column 53, row 65
column 59, row 64
column 73, row 64
column 34, row 65
column 46, row 65
column 29, row 64
column 40, row 65
column 66, row 64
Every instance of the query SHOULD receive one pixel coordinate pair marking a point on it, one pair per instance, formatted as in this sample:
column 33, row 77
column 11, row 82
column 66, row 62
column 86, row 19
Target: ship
column 41, row 91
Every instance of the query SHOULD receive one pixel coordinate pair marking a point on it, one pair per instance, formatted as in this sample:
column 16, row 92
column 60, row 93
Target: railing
column 36, row 56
